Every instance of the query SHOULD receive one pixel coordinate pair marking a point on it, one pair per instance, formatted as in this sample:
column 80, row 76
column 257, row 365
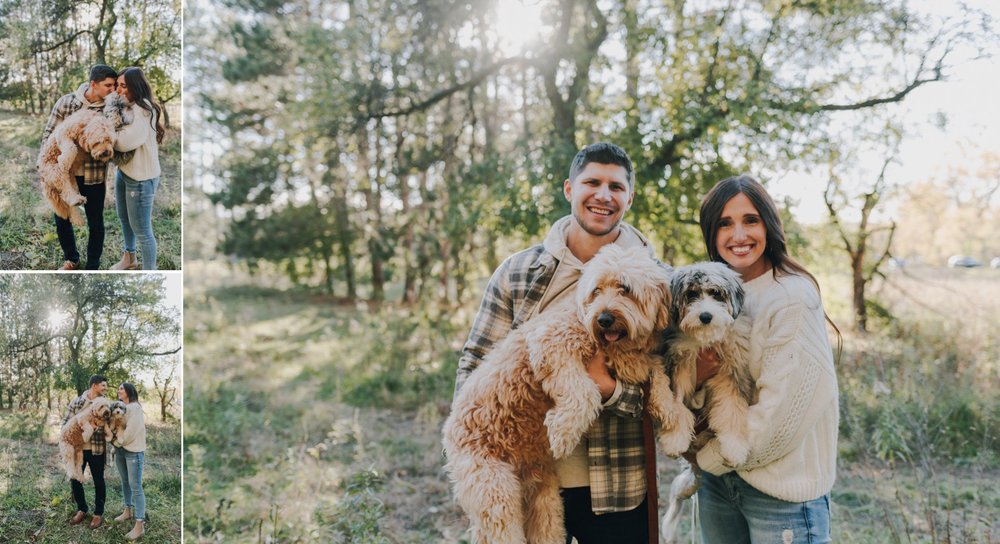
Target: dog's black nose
column 705, row 317
column 605, row 320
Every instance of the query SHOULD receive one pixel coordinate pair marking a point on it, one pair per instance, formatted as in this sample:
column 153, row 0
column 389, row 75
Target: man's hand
column 708, row 365
column 597, row 369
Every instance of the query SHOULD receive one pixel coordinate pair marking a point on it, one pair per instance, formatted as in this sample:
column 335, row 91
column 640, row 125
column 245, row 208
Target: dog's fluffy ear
column 678, row 284
column 736, row 295
column 664, row 310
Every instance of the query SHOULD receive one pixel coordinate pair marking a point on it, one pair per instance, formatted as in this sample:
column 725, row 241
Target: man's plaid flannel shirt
column 615, row 446
column 98, row 444
column 94, row 172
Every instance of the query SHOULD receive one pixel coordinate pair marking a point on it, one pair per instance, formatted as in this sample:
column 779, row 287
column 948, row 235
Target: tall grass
column 311, row 420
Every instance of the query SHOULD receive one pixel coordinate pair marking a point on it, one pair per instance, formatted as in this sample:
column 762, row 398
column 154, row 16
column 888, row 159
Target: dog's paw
column 685, row 484
column 561, row 444
column 77, row 200
column 76, row 218
column 733, row 449
column 675, row 442
column 562, row 441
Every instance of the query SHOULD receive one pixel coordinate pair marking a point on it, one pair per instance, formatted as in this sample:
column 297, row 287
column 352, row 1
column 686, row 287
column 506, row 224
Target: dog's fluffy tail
column 683, row 487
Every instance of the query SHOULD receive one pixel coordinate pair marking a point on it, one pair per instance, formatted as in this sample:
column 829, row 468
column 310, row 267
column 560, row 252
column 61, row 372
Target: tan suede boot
column 126, row 515
column 128, row 262
column 137, row 531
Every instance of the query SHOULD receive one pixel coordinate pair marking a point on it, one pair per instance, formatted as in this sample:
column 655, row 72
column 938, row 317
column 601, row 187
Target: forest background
column 57, row 330
column 358, row 169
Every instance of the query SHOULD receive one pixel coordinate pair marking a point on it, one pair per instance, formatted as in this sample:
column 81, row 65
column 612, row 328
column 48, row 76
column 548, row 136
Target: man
column 603, row 481
column 90, row 176
column 93, row 455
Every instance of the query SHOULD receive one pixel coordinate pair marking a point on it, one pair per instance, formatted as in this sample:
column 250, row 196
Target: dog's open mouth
column 612, row 336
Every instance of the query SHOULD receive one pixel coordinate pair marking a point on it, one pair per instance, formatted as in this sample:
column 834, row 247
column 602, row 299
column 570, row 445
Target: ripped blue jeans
column 734, row 512
column 134, row 203
column 130, row 470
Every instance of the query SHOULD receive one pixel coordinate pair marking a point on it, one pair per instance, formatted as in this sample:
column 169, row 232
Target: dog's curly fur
column 534, row 384
column 706, row 312
column 78, row 431
column 87, row 130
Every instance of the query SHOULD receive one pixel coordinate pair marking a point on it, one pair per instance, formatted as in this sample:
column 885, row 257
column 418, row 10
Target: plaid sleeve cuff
column 617, row 394
column 629, row 402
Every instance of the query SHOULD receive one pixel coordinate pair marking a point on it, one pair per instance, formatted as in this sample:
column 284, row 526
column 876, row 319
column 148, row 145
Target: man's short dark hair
column 602, row 153
column 96, row 379
column 100, row 72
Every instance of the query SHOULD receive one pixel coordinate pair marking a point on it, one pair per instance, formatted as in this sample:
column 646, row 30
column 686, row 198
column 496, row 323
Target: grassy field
column 27, row 232
column 35, row 499
column 312, row 421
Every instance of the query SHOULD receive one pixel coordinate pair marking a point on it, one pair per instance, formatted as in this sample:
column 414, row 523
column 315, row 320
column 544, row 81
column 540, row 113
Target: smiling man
column 603, row 481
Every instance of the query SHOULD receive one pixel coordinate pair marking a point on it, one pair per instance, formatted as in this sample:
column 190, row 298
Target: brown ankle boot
column 128, row 262
column 137, row 531
column 126, row 515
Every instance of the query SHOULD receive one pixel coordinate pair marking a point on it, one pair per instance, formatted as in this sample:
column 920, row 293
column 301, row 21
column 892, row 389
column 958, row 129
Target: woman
column 131, row 447
column 783, row 487
column 137, row 179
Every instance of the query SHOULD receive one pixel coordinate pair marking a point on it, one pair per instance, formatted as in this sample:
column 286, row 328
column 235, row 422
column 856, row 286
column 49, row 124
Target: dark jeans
column 94, row 209
column 96, row 463
column 589, row 528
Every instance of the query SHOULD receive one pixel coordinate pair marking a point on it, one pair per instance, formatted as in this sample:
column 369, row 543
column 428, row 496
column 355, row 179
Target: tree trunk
column 345, row 238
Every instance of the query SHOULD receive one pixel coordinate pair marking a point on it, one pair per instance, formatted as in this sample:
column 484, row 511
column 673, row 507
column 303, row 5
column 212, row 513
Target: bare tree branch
column 438, row 96
column 61, row 43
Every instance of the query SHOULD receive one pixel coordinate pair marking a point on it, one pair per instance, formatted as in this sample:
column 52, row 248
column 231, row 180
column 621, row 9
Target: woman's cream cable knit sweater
column 140, row 136
column 793, row 424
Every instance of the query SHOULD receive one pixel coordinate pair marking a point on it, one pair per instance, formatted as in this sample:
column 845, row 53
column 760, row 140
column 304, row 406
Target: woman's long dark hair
column 142, row 95
column 775, row 250
column 131, row 392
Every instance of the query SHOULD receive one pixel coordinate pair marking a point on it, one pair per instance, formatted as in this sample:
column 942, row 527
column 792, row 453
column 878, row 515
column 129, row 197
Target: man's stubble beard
column 588, row 230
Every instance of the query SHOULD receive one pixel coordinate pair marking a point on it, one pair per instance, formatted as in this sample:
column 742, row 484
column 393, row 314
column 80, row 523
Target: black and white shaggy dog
column 706, row 304
column 116, row 109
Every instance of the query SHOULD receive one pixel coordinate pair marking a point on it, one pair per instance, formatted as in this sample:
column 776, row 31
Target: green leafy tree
column 371, row 142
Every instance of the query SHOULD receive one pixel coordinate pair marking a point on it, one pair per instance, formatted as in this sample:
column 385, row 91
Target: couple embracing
column 137, row 157
column 783, row 487
column 129, row 453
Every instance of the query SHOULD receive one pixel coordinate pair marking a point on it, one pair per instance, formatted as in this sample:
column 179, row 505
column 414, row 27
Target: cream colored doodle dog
column 86, row 130
column 531, row 400
column 706, row 304
column 77, row 432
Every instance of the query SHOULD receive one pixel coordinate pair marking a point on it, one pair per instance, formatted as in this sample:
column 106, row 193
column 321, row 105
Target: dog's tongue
column 611, row 336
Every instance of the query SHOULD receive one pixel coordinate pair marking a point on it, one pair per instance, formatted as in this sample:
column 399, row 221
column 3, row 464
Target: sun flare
column 57, row 319
column 518, row 24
